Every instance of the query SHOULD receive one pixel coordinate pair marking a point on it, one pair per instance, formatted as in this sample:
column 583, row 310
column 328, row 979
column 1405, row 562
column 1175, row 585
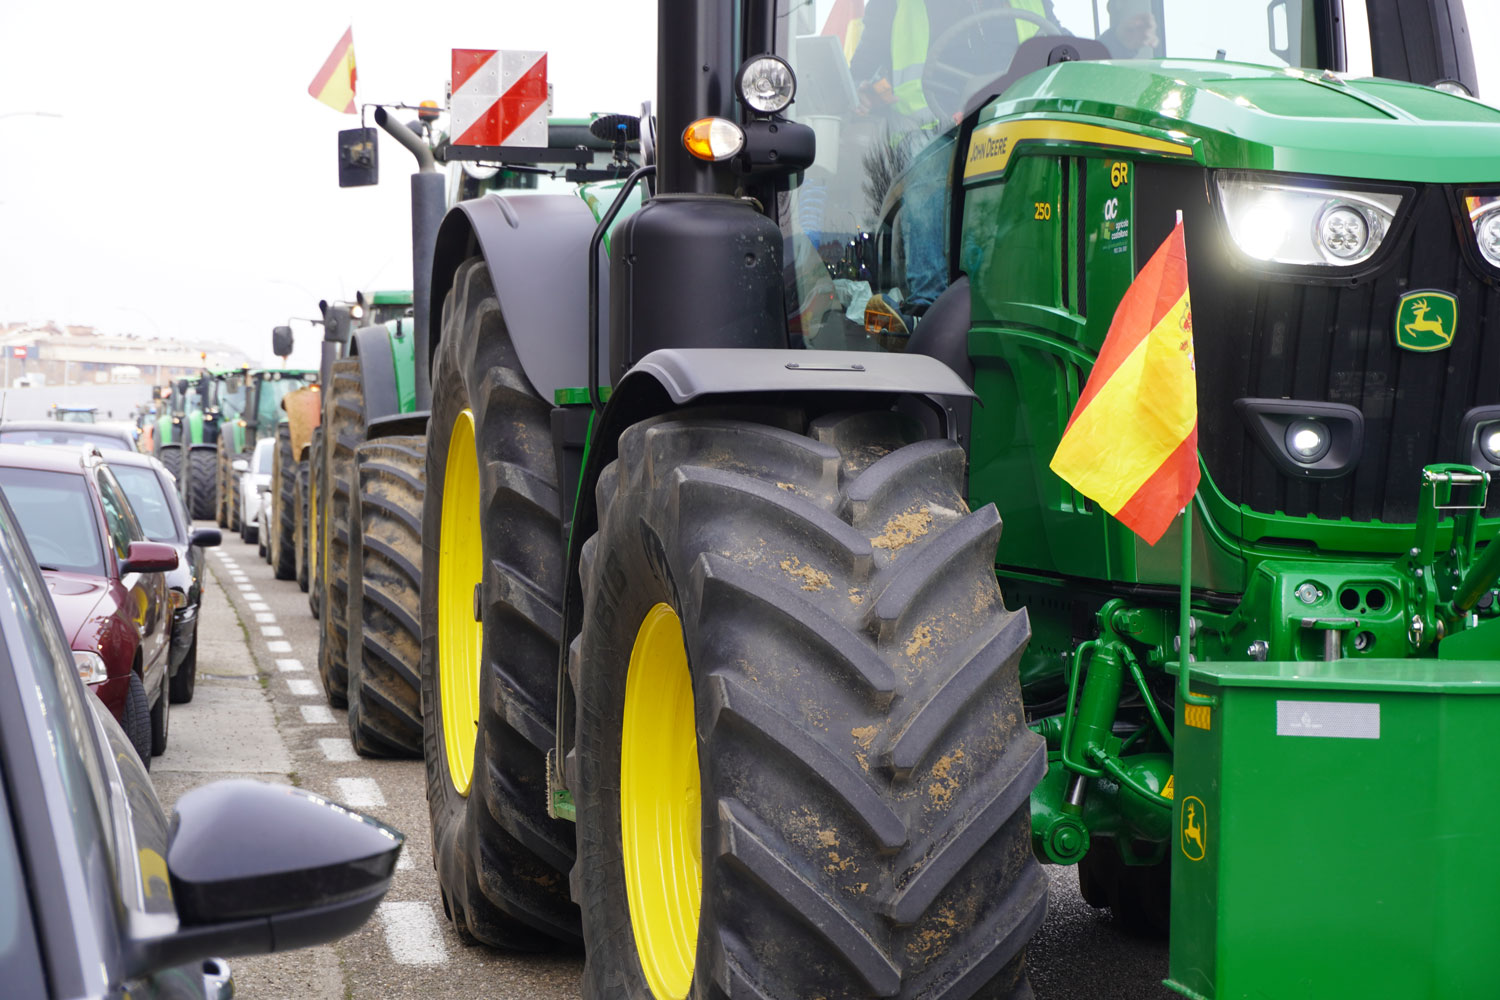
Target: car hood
column 75, row 596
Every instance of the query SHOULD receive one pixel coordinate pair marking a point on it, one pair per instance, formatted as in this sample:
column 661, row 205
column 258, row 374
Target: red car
column 105, row 579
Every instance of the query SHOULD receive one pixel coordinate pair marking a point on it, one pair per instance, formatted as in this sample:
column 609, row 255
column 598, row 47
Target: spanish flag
column 334, row 84
column 1132, row 442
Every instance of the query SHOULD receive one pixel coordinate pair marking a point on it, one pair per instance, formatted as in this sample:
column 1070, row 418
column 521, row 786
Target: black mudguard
column 377, row 371
column 537, row 252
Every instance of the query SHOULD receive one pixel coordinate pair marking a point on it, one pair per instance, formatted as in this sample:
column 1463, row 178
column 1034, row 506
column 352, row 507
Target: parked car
column 253, row 472
column 58, row 432
column 106, row 579
column 152, row 493
column 107, row 897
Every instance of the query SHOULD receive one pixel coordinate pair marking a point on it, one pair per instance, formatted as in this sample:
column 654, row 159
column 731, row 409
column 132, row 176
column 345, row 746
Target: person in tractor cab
column 888, row 68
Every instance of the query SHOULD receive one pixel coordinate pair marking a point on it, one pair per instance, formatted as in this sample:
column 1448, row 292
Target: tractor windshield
column 272, row 391
column 882, row 82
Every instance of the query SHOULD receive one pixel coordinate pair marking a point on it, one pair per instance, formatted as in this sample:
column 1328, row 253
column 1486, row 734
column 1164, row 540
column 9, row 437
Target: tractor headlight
column 1285, row 223
column 1484, row 218
column 766, row 84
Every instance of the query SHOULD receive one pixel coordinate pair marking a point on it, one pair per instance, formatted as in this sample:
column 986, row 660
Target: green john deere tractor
column 250, row 401
column 727, row 670
column 187, row 433
column 371, row 453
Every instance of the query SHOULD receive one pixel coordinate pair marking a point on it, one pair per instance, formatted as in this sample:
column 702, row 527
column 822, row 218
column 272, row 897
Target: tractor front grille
column 1258, row 335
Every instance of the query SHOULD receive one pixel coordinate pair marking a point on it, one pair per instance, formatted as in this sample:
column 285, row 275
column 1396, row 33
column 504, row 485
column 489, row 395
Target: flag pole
column 1185, row 602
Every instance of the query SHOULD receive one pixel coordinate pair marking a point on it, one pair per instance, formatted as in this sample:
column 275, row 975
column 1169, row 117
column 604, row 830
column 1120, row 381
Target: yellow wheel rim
column 460, row 569
column 660, row 811
column 315, row 541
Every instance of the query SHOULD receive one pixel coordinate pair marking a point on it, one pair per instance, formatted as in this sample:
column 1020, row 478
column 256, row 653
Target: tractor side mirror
column 281, row 341
column 240, row 465
column 359, row 158
column 206, row 538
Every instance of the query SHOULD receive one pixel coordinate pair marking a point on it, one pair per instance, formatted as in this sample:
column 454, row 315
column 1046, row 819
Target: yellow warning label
column 1169, row 791
column 1197, row 716
column 1194, row 824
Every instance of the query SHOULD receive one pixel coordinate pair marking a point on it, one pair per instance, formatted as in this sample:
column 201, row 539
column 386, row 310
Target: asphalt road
column 259, row 711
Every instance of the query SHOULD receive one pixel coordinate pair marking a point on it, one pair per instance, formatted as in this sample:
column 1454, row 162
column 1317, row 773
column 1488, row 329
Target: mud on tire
column 385, row 606
column 303, row 469
column 501, row 861
column 315, row 542
column 864, row 761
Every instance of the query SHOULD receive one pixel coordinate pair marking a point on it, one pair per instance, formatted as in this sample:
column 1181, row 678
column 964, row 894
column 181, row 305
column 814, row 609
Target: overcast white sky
column 189, row 188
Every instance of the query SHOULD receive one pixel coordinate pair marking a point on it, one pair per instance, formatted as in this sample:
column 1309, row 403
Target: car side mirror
column 206, row 538
column 257, row 867
column 240, row 465
column 149, row 557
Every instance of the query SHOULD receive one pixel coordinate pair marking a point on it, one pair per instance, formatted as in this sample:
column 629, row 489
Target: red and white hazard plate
column 499, row 98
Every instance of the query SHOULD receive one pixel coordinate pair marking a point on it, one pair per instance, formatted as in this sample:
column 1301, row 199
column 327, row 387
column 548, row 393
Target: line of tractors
column 687, row 580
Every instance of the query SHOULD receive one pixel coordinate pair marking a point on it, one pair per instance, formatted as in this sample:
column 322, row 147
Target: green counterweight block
column 1334, row 831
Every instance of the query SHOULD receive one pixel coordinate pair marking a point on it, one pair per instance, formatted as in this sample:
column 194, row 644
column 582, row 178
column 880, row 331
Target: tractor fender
column 536, row 249
column 675, row 378
column 377, row 371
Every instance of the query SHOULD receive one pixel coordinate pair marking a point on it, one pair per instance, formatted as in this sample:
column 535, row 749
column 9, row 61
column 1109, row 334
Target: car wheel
column 160, row 719
column 137, row 720
column 180, row 690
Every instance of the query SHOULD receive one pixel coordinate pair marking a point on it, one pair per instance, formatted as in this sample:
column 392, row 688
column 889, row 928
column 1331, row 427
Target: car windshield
column 57, row 516
column 265, row 453
column 152, row 506
column 76, row 416
column 63, row 435
column 881, row 82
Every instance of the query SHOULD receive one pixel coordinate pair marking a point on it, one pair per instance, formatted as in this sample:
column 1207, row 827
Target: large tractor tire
column 385, row 604
column 283, row 520
column 344, row 431
column 303, row 492
column 170, row 455
column 492, row 547
column 201, row 470
column 221, row 480
column 802, row 765
column 315, row 541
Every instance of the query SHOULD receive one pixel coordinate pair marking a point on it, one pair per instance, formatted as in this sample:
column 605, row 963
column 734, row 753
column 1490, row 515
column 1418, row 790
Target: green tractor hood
column 1250, row 117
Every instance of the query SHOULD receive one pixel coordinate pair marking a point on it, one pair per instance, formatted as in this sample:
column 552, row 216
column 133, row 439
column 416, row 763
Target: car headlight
column 178, row 599
column 1285, row 223
column 91, row 668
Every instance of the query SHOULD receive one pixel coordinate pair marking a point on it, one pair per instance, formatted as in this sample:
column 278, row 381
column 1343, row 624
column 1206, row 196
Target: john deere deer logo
column 1426, row 321
column 1194, row 828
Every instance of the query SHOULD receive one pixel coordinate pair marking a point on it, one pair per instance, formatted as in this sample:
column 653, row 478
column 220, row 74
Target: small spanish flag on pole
column 1132, row 442
column 334, row 84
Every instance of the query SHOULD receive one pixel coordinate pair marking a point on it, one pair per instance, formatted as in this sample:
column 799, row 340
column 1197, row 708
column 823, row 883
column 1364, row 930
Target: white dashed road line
column 289, row 666
column 264, row 616
column 260, row 607
column 271, row 630
column 359, row 793
column 316, row 715
column 339, row 752
column 412, row 933
column 246, row 587
column 302, row 688
column 279, row 646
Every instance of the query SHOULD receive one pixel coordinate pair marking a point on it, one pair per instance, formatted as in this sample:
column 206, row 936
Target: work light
column 766, row 84
column 1287, row 223
column 1307, row 440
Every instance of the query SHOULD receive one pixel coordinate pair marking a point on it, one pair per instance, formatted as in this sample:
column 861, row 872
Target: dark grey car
column 103, row 896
